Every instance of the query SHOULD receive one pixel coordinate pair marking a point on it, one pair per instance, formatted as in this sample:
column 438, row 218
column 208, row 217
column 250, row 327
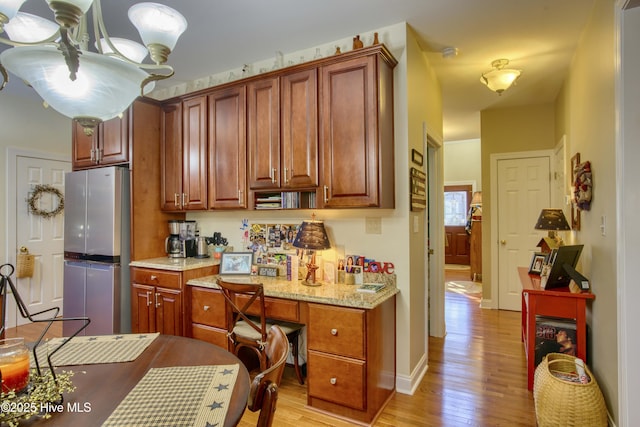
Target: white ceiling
column 537, row 36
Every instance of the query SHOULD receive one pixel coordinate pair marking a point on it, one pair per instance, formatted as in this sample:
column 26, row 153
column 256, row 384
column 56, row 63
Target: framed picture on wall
column 575, row 211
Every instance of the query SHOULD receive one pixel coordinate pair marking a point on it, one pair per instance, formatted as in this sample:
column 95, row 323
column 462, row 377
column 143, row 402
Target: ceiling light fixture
column 500, row 79
column 87, row 86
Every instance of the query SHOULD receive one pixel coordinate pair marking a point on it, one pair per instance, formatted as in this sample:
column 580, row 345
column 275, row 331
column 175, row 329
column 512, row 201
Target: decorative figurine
column 338, row 51
column 357, row 43
column 375, row 39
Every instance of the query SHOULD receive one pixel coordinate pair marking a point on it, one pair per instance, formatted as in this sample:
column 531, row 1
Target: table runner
column 178, row 396
column 89, row 350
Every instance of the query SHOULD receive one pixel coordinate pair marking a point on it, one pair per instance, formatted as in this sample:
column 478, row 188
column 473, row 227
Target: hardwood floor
column 477, row 376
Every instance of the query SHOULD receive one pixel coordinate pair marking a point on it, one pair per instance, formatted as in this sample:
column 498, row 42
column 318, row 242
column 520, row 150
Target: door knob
column 503, row 242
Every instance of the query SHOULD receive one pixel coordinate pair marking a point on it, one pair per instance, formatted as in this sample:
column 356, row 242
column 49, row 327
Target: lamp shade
column 500, row 79
column 312, row 235
column 9, row 8
column 157, row 24
column 104, row 87
column 131, row 50
column 28, row 28
column 552, row 219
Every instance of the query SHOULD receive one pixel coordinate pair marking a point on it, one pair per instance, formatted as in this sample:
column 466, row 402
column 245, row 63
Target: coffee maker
column 181, row 242
column 173, row 244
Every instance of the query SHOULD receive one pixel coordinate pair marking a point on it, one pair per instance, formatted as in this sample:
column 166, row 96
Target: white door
column 523, row 191
column 42, row 236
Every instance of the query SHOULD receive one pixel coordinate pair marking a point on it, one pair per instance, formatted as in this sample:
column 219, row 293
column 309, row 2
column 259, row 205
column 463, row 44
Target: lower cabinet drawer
column 213, row 335
column 337, row 330
column 152, row 277
column 208, row 307
column 337, row 379
column 274, row 308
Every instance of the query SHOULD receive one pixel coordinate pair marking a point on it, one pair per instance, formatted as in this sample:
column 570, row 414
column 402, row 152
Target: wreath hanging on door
column 35, row 196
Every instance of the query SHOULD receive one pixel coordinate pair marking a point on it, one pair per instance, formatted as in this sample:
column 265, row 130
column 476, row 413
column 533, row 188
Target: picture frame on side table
column 538, row 260
column 236, row 263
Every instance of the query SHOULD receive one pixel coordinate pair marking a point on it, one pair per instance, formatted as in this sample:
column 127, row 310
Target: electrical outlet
column 372, row 225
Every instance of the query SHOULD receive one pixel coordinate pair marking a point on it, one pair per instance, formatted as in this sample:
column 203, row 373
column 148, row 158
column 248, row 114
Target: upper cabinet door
column 171, row 157
column 194, row 153
column 114, row 141
column 264, row 133
column 227, row 148
column 299, row 160
column 83, row 147
column 349, row 133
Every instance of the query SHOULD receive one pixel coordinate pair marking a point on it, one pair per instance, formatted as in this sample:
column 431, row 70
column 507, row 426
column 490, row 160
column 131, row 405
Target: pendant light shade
column 54, row 58
column 103, row 89
column 500, row 79
column 159, row 27
column 28, row 28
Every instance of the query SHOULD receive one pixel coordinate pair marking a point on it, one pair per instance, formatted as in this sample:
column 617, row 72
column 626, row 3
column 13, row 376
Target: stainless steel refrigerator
column 96, row 250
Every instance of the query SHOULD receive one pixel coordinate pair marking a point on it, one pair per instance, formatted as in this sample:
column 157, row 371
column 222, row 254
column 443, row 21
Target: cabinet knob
column 206, row 308
column 333, row 380
column 334, row 331
column 153, row 277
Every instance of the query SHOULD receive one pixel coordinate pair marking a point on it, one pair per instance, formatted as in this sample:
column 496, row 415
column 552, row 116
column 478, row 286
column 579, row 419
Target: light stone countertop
column 175, row 264
column 327, row 293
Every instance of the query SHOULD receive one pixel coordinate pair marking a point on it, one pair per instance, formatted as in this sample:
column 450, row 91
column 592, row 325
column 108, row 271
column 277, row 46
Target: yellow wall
column 586, row 114
column 509, row 130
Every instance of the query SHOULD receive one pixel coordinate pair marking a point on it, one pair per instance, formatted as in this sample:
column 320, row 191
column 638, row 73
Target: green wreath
column 38, row 191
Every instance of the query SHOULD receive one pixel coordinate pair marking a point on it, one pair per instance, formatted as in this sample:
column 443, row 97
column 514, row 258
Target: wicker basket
column 24, row 263
column 560, row 402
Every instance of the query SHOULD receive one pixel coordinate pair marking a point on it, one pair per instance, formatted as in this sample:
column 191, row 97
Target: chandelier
column 88, row 86
column 500, row 79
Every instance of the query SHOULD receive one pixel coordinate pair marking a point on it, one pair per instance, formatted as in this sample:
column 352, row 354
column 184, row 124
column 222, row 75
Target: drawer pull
column 333, row 380
column 334, row 332
column 153, row 277
column 206, row 308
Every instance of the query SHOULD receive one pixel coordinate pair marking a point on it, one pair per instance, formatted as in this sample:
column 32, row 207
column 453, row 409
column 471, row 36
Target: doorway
column 457, row 200
column 42, row 236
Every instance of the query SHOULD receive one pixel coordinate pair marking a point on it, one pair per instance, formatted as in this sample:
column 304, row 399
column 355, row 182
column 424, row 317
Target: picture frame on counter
column 236, row 263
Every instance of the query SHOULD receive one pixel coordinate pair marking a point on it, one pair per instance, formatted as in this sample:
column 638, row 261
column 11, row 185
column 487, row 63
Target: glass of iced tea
column 14, row 364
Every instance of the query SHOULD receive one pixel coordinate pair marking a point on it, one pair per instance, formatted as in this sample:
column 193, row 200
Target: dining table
column 101, row 387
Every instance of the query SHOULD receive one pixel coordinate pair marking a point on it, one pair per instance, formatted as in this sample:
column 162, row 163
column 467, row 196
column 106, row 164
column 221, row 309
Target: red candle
column 14, row 364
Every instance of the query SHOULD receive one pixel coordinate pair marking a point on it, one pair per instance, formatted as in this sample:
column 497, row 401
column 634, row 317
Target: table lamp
column 311, row 237
column 553, row 220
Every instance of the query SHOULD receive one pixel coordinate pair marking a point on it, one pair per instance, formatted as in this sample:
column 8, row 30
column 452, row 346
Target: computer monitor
column 558, row 276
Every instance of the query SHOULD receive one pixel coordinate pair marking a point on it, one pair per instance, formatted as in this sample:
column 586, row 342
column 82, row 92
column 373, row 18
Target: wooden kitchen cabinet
column 350, row 359
column 184, row 155
column 356, row 131
column 109, row 144
column 157, row 299
column 208, row 316
column 227, row 148
column 283, row 131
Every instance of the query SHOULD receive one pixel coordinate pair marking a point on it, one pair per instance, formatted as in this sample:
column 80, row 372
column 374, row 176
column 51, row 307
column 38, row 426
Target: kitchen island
column 350, row 343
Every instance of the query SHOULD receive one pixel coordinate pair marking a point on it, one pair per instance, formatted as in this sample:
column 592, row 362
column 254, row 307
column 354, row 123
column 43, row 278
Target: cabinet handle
column 206, row 308
column 153, row 277
column 334, row 332
column 333, row 380
column 326, row 191
column 93, row 155
column 148, row 298
column 157, row 302
column 286, row 181
column 273, row 175
column 239, row 195
column 184, row 200
column 175, row 199
column 100, row 152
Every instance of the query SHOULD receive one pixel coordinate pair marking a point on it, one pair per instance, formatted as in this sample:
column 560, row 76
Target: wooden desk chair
column 247, row 324
column 263, row 393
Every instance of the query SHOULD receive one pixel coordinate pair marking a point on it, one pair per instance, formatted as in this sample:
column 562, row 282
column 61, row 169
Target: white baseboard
column 409, row 384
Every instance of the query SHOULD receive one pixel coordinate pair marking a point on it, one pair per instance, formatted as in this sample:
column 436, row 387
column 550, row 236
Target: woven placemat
column 91, row 350
column 178, row 396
